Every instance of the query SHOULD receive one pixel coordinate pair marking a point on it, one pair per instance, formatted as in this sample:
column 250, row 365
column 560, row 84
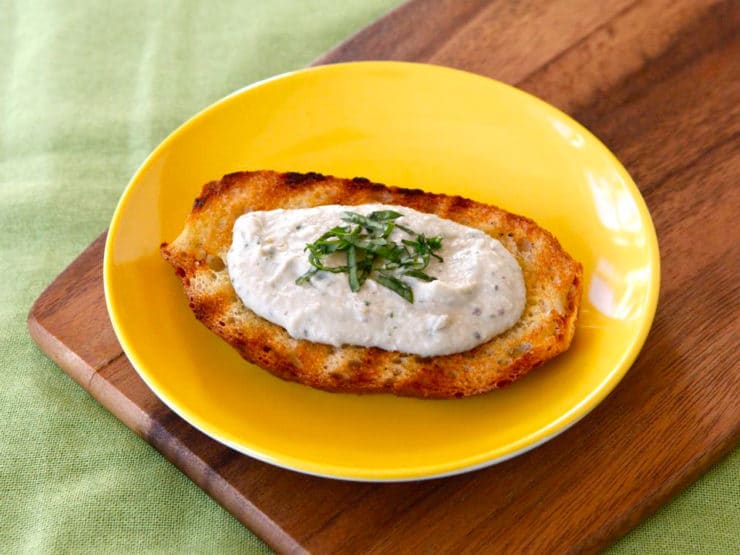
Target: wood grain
column 658, row 81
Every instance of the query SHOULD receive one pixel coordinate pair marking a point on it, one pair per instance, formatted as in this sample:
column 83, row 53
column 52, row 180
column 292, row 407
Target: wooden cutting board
column 658, row 81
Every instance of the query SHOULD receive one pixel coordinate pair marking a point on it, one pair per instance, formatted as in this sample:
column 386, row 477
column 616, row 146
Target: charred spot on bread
column 295, row 178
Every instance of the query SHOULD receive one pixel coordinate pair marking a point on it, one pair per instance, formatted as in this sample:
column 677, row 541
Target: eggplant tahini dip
column 478, row 291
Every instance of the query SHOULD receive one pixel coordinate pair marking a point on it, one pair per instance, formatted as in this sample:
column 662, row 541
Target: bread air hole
column 215, row 263
column 524, row 245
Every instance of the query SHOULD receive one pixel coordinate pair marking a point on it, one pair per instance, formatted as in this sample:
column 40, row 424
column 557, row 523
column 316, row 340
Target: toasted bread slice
column 552, row 278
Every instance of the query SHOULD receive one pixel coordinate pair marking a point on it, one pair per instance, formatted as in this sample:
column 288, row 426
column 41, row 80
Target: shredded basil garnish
column 372, row 255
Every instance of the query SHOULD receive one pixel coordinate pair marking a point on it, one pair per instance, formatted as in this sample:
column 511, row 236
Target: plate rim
column 417, row 473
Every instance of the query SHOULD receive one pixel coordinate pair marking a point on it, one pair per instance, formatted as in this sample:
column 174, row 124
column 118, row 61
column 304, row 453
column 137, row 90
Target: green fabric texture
column 87, row 90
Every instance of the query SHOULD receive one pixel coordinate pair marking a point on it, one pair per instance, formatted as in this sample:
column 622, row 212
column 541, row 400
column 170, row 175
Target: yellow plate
column 410, row 125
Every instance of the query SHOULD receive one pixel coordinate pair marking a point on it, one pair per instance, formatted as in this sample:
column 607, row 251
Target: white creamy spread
column 479, row 291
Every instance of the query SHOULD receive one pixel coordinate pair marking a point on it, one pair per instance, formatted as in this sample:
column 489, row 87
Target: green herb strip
column 371, row 254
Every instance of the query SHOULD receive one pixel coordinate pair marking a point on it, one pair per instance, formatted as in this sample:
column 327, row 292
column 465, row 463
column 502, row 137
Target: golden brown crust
column 552, row 277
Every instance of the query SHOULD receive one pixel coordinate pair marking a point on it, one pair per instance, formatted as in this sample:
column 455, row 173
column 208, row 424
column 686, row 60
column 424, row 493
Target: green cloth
column 87, row 90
